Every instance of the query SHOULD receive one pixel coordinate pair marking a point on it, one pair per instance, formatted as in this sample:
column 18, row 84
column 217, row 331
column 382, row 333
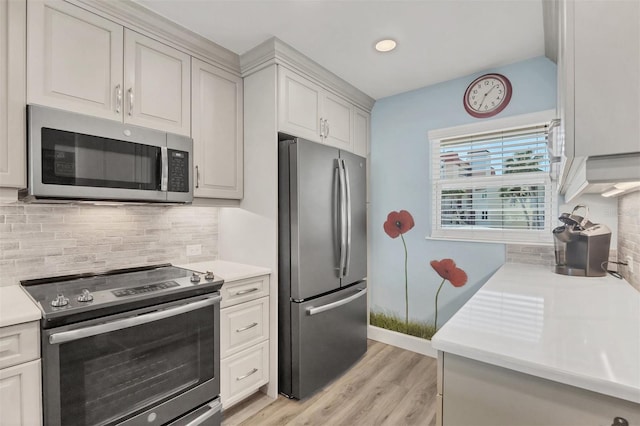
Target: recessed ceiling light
column 385, row 45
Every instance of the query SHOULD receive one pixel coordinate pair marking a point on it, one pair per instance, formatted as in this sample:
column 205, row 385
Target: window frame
column 498, row 235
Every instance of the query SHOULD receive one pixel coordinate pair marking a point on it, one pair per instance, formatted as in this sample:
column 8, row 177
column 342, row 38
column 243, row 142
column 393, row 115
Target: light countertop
column 583, row 332
column 228, row 271
column 16, row 307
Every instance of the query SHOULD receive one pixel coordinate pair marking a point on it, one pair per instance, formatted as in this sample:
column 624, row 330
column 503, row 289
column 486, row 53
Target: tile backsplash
column 629, row 235
column 48, row 240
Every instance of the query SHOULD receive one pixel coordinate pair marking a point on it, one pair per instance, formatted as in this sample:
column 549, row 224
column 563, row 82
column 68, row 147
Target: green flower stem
column 437, row 293
column 406, row 284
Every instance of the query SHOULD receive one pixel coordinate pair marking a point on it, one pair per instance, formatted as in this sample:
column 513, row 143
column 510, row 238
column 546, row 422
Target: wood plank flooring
column 389, row 386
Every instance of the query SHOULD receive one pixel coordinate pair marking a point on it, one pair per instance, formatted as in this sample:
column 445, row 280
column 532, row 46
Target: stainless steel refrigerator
column 322, row 265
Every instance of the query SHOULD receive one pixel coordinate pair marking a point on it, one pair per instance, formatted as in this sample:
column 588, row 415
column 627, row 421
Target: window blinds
column 493, row 186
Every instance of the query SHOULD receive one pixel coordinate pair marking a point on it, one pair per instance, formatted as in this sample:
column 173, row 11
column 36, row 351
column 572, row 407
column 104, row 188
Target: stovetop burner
column 72, row 298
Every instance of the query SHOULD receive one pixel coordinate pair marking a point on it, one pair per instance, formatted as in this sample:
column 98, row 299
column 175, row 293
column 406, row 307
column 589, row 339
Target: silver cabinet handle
column 333, row 305
column 321, row 128
column 197, row 177
column 239, row 330
column 118, row 98
column 255, row 370
column 68, row 336
column 214, row 408
column 130, row 91
column 241, row 292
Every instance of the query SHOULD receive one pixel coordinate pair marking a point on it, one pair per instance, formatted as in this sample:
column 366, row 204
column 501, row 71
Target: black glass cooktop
column 70, row 295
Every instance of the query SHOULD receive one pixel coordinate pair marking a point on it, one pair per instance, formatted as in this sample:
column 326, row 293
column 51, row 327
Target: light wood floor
column 388, row 386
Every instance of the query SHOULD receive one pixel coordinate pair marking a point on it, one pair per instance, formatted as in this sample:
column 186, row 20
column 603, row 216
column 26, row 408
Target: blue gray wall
column 400, row 180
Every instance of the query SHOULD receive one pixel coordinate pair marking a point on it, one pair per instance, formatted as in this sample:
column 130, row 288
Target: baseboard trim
column 404, row 341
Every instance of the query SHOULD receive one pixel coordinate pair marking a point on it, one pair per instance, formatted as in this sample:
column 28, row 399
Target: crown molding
column 275, row 51
column 140, row 19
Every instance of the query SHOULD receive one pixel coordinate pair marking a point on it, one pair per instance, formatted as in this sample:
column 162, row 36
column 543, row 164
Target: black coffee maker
column 581, row 247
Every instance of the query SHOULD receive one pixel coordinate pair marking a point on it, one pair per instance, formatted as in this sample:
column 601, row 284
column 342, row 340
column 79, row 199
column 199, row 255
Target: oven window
column 81, row 160
column 113, row 376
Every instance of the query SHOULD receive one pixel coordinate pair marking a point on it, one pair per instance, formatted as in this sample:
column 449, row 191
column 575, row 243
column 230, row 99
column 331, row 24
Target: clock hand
column 484, row 98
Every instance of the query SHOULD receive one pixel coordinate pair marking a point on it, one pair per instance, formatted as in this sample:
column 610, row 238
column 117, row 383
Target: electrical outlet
column 629, row 261
column 194, row 250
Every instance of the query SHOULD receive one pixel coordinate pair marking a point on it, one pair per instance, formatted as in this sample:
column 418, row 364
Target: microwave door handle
column 94, row 330
column 164, row 178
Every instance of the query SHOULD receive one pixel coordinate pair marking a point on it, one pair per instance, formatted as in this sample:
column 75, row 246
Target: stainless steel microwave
column 78, row 157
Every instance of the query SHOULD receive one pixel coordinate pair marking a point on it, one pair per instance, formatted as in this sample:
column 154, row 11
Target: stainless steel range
column 133, row 347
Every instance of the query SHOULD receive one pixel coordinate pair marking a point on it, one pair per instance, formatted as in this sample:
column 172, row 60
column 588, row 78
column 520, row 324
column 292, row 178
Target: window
column 491, row 181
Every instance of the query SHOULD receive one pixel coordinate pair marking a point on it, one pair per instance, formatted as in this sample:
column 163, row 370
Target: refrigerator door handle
column 342, row 221
column 333, row 305
column 348, row 213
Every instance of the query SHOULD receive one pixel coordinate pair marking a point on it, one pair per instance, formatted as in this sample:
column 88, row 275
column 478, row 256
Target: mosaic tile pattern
column 48, row 240
column 629, row 235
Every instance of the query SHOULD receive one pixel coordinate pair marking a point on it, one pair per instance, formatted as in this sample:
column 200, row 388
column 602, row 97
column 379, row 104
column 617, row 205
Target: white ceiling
column 438, row 40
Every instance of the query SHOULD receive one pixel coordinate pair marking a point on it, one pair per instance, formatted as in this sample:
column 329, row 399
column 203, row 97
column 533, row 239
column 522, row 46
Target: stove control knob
column 195, row 278
column 86, row 296
column 209, row 276
column 60, row 301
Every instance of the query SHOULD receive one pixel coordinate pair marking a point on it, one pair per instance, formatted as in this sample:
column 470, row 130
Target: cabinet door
column 157, row 83
column 338, row 115
column 607, row 77
column 74, row 59
column 361, row 126
column 298, row 106
column 12, row 94
column 20, row 390
column 217, row 132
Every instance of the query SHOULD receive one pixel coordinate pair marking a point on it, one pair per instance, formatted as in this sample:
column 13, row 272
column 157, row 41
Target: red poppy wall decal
column 448, row 270
column 396, row 225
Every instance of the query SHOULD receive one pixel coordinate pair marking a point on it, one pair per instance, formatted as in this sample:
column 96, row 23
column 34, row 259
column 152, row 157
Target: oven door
column 147, row 366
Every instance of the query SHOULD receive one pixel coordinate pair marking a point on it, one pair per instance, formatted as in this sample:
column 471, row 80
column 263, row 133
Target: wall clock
column 487, row 95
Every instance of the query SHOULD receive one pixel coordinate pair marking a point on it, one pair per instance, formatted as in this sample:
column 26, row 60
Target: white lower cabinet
column 243, row 373
column 244, row 338
column 492, row 395
column 20, row 380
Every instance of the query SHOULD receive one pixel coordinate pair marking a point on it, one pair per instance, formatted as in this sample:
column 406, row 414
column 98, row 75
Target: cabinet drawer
column 19, row 343
column 235, row 292
column 243, row 325
column 243, row 373
column 20, row 395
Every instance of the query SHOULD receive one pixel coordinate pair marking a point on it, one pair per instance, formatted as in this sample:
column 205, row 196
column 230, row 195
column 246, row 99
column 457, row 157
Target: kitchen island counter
column 583, row 332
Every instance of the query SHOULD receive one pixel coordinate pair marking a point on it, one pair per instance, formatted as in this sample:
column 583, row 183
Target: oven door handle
column 69, row 336
column 214, row 408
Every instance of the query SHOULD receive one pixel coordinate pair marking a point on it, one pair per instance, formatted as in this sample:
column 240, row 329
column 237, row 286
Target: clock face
column 487, row 95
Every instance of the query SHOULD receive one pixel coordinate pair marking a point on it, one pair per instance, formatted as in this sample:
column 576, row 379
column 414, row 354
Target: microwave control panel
column 178, row 171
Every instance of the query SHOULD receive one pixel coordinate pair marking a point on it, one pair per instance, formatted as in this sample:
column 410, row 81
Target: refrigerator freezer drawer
column 329, row 334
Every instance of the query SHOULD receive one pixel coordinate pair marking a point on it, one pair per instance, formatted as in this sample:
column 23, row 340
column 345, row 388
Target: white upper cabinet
column 157, row 83
column 74, row 59
column 12, row 95
column 299, row 106
column 79, row 61
column 599, row 69
column 217, row 131
column 337, row 116
column 361, row 132
column 307, row 110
